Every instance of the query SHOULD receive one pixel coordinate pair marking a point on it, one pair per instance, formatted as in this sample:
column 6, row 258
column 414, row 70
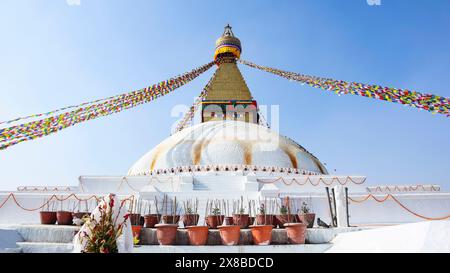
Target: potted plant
column 166, row 232
column 229, row 233
column 135, row 218
column 296, row 232
column 264, row 217
column 285, row 215
column 261, row 230
column 305, row 215
column 214, row 218
column 190, row 216
column 240, row 218
column 48, row 213
column 64, row 217
column 151, row 219
column 198, row 235
column 171, row 215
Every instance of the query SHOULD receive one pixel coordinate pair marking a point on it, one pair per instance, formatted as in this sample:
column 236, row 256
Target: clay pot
column 241, row 220
column 80, row 215
column 307, row 218
column 230, row 235
column 228, row 221
column 136, row 230
column 171, row 219
column 251, row 220
column 64, row 217
column 190, row 219
column 150, row 220
column 262, row 219
column 214, row 220
column 296, row 232
column 48, row 217
column 262, row 235
column 286, row 218
column 135, row 219
column 166, row 233
column 198, row 235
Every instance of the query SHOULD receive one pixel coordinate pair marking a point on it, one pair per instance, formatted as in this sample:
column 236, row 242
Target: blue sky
column 54, row 54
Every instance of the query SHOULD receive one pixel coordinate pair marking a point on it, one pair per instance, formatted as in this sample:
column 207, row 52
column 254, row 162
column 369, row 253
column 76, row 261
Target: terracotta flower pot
column 251, row 220
column 150, row 220
column 64, row 217
column 190, row 219
column 286, row 218
column 166, row 233
column 228, row 221
column 230, row 235
column 262, row 219
column 307, row 218
column 214, row 220
column 198, row 235
column 171, row 219
column 48, row 217
column 262, row 235
column 136, row 231
column 135, row 219
column 296, row 232
column 241, row 220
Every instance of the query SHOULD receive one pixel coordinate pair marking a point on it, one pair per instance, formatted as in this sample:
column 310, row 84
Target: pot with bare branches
column 229, row 233
column 261, row 230
column 48, row 213
column 152, row 217
column 166, row 232
column 64, row 217
column 240, row 218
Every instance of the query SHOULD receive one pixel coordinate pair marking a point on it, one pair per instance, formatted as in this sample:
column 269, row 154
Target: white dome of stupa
column 227, row 143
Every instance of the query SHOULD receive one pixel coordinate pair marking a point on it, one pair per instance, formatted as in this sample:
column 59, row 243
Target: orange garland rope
column 13, row 196
column 348, row 179
column 405, row 188
column 400, row 204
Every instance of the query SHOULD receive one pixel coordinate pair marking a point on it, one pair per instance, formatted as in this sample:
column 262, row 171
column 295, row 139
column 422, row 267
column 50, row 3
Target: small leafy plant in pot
column 306, row 216
column 229, row 233
column 48, row 213
column 190, row 216
column 261, row 231
column 214, row 218
column 264, row 217
column 285, row 215
column 240, row 218
column 198, row 235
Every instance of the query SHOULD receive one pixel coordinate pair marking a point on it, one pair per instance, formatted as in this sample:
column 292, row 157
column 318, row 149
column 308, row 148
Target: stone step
column 46, row 233
column 233, row 249
column 39, row 247
column 279, row 236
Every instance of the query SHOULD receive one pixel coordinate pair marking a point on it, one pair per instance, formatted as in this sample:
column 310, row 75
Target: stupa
column 232, row 154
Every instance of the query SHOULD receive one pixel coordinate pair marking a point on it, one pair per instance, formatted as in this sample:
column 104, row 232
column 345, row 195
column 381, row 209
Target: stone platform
column 54, row 238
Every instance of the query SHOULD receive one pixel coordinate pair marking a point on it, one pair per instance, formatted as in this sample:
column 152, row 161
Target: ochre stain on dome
column 247, row 149
column 197, row 150
column 292, row 156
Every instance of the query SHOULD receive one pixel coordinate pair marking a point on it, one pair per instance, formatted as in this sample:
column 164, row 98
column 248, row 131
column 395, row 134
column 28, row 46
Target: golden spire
column 228, row 44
